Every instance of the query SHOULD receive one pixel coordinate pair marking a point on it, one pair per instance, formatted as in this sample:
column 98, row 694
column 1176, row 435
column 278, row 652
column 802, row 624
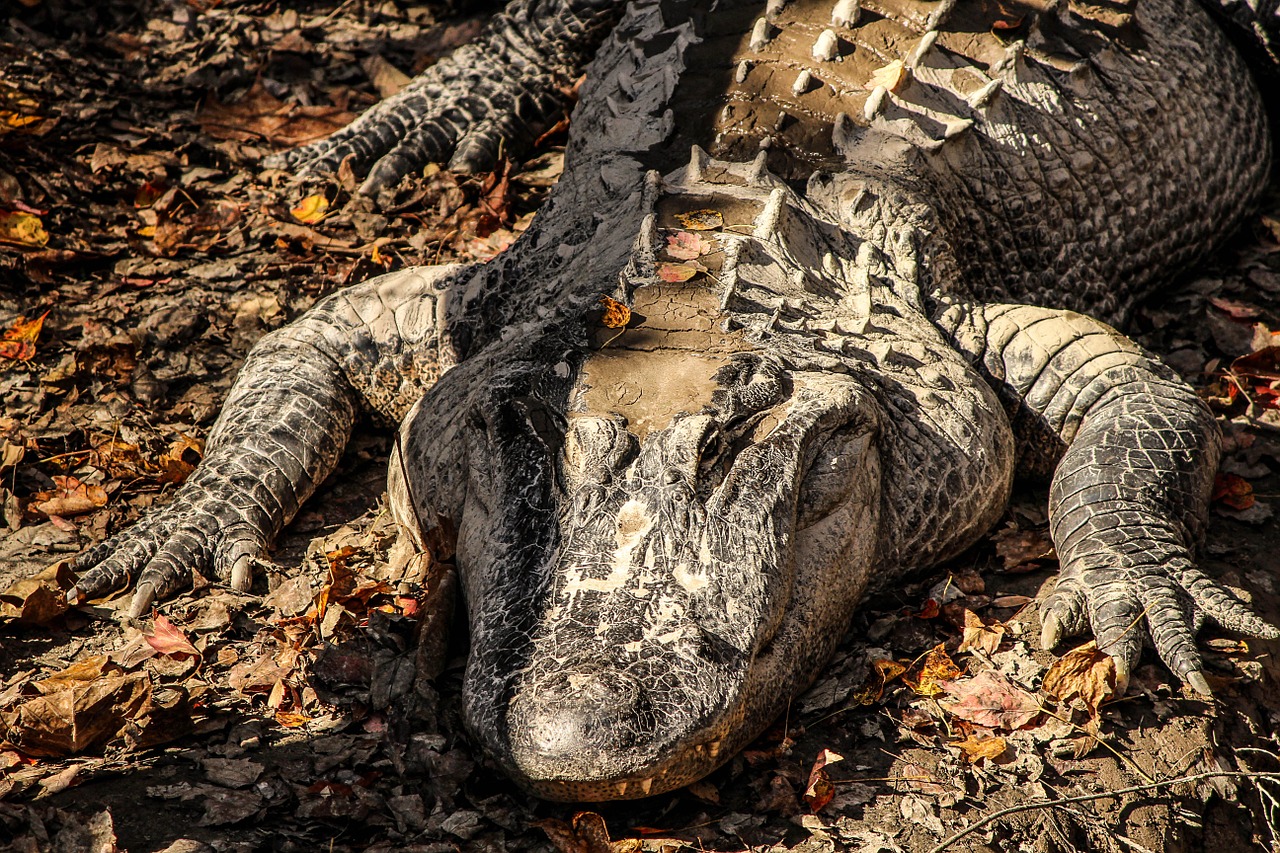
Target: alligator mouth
column 655, row 635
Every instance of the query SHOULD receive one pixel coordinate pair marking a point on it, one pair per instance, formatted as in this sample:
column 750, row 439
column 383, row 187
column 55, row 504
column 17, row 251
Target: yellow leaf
column 615, row 315
column 975, row 748
column 892, row 76
column 311, row 209
column 22, row 228
column 676, row 273
column 701, row 220
column 936, row 667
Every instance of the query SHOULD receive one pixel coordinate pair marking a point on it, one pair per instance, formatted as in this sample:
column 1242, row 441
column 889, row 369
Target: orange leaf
column 1085, row 672
column 1233, row 491
column 615, row 315
column 169, row 640
column 19, row 340
column 72, row 497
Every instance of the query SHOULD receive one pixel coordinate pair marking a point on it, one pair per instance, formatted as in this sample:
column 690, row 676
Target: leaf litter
column 153, row 258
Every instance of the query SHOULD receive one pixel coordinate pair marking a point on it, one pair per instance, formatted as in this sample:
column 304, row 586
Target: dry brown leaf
column 981, row 635
column 1232, row 490
column 72, row 497
column 614, row 315
column 36, row 600
column 883, row 672
column 989, row 699
column 259, row 116
column 72, row 720
column 820, row 789
column 1085, row 672
column 18, row 342
column 933, row 673
column 587, row 834
column 1022, row 549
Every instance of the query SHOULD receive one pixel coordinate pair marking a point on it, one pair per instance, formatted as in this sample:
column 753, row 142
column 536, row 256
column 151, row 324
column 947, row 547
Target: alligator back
column 1070, row 158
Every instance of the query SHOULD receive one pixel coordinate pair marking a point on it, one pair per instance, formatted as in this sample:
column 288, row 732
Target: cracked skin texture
column 662, row 531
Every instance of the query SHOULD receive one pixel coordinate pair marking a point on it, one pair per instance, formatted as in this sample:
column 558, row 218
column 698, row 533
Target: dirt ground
column 134, row 221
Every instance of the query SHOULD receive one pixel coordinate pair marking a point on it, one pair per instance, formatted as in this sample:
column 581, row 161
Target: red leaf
column 989, row 699
column 169, row 640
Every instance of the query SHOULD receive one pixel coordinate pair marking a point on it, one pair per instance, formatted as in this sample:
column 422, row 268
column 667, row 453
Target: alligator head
column 658, row 548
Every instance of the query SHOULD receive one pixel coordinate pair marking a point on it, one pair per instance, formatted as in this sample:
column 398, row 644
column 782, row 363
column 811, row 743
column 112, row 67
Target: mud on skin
column 662, row 530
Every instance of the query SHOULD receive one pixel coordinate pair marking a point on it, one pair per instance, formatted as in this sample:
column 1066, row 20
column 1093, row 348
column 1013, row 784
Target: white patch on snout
column 689, row 578
column 634, row 524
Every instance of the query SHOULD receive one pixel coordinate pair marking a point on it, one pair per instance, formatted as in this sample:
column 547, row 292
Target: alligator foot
column 489, row 98
column 210, row 525
column 1162, row 603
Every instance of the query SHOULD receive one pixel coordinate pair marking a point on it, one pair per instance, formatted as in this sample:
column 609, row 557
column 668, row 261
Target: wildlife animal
column 871, row 253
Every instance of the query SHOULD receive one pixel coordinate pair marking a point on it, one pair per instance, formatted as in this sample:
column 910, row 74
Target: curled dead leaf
column 892, row 76
column 614, row 314
column 820, row 789
column 71, row 497
column 686, row 245
column 981, row 635
column 1022, row 550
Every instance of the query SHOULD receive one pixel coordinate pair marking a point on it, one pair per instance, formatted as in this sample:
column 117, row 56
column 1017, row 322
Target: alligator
column 819, row 281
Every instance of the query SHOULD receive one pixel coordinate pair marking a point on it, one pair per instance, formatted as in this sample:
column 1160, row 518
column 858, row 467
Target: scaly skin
column 490, row 97
column 662, row 531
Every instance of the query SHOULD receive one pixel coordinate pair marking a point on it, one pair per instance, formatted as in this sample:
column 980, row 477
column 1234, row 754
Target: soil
column 306, row 715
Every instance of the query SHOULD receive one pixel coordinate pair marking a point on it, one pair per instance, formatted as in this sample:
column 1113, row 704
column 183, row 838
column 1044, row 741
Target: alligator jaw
column 653, row 597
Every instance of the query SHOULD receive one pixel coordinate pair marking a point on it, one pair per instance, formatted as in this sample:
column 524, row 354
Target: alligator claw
column 1050, row 631
column 142, row 600
column 242, row 574
column 1196, row 680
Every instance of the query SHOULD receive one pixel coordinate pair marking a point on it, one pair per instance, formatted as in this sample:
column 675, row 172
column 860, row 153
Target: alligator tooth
column 760, row 35
column 803, row 81
column 646, row 785
column 774, row 8
column 983, row 96
column 925, row 45
column 826, row 47
column 621, row 788
column 780, row 120
column 939, row 15
column 714, row 748
column 698, row 160
column 875, row 101
column 846, row 13
column 744, row 68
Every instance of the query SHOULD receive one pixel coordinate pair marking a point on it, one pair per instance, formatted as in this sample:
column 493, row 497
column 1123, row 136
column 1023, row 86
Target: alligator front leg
column 1133, row 453
column 495, row 94
column 281, row 432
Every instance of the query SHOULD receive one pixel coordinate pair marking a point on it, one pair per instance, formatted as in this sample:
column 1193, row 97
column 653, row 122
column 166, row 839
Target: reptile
column 871, row 255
